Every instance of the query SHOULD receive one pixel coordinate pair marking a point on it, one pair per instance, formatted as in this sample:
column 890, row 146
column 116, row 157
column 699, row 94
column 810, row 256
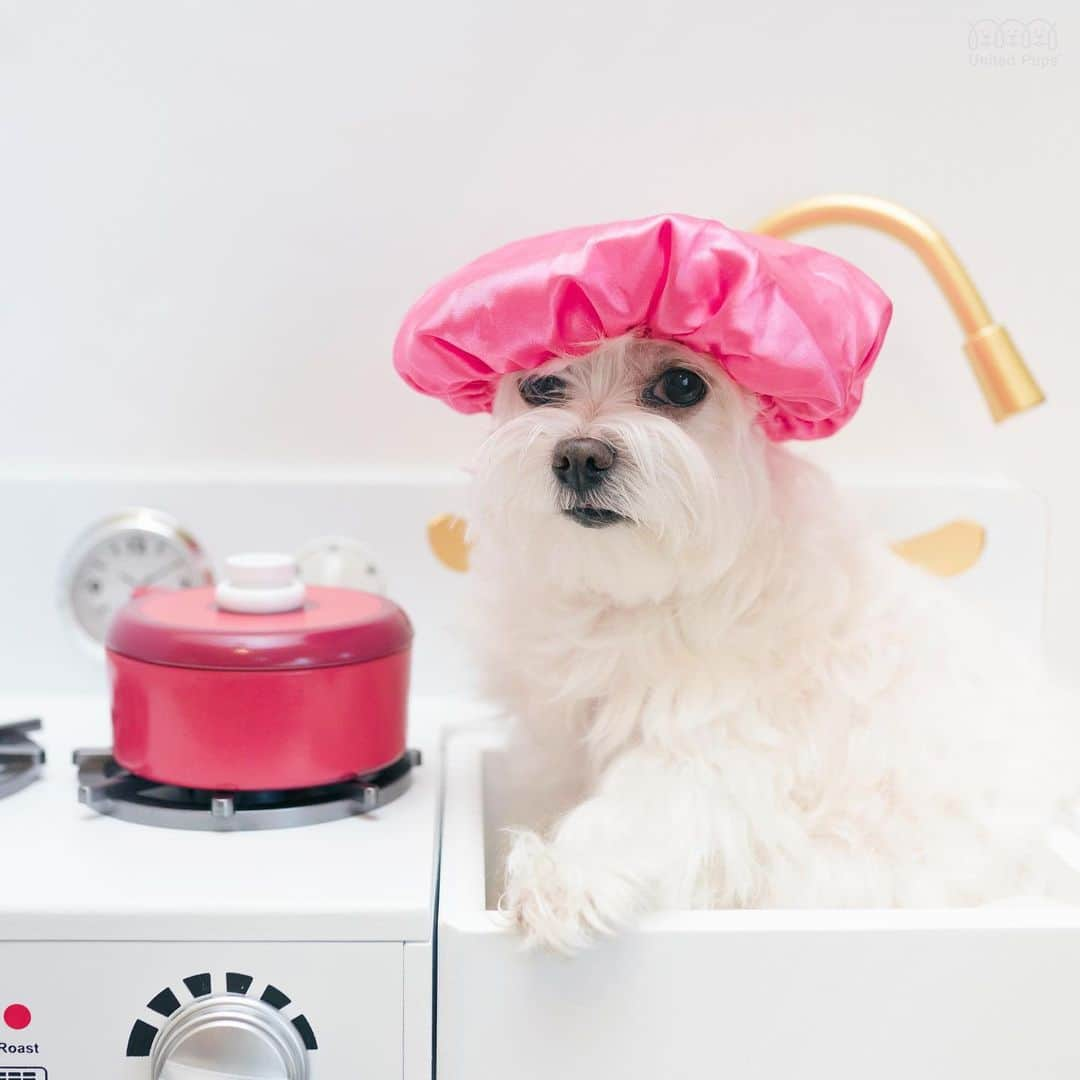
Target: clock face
column 339, row 561
column 131, row 551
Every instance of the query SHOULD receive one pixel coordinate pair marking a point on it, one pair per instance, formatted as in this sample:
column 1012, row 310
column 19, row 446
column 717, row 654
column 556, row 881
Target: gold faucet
column 1004, row 378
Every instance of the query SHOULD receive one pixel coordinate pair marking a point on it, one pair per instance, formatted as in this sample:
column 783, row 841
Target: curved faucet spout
column 1003, row 377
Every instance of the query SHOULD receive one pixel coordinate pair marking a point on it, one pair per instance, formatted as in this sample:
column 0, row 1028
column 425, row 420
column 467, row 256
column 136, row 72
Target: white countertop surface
column 72, row 874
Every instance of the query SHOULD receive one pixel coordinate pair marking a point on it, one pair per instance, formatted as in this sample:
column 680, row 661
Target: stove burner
column 21, row 759
column 109, row 788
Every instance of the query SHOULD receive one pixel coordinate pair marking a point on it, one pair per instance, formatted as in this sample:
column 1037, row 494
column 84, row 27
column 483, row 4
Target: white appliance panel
column 85, row 997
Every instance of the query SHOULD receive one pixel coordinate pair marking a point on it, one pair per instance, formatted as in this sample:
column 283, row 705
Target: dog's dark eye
column 678, row 386
column 543, row 390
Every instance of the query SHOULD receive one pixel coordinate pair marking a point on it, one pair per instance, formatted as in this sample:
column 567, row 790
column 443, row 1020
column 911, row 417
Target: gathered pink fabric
column 796, row 326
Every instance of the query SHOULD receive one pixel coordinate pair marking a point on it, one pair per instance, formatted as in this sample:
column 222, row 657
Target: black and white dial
column 130, row 550
column 205, row 1031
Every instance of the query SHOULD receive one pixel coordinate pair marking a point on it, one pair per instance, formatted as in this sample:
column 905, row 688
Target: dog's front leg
column 608, row 858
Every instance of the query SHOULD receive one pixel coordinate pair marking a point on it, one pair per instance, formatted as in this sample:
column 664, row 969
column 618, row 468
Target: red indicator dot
column 17, row 1017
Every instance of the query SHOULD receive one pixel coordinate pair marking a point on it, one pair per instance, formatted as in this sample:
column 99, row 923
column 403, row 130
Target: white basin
column 750, row 995
column 770, row 995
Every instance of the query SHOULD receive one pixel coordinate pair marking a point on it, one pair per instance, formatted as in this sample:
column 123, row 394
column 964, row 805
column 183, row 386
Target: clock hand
column 158, row 574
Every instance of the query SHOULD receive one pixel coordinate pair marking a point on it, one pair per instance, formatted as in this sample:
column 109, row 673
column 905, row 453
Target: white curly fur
column 738, row 697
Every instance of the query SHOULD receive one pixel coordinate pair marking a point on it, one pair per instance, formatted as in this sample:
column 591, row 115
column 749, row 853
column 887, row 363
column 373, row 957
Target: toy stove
column 195, row 954
column 261, row 924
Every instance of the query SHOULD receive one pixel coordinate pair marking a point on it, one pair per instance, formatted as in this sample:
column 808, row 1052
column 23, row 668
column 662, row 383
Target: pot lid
column 188, row 628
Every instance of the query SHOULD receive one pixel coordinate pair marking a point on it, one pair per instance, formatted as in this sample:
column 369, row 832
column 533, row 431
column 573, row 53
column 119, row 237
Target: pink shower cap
column 796, row 326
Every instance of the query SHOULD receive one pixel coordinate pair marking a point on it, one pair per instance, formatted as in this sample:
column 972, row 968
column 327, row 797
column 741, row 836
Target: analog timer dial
column 130, row 550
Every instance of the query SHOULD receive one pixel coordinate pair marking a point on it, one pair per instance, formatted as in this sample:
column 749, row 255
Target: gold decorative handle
column 946, row 551
column 1004, row 378
column 447, row 538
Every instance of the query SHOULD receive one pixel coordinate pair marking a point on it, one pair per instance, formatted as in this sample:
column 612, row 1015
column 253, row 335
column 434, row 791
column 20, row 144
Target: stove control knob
column 228, row 1037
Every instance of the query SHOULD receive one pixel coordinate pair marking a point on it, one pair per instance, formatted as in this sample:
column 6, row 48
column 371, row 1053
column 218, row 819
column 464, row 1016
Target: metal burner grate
column 109, row 788
column 21, row 759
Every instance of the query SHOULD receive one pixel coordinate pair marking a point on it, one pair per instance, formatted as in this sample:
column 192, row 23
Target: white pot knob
column 260, row 583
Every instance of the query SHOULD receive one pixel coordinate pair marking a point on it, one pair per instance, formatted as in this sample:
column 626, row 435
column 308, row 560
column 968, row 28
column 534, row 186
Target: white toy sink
column 750, row 995
column 769, row 995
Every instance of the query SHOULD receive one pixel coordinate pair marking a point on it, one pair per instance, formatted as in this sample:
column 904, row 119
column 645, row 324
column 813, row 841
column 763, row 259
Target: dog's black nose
column 582, row 464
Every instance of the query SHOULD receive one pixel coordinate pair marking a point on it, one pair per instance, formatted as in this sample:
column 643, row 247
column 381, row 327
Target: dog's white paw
column 560, row 903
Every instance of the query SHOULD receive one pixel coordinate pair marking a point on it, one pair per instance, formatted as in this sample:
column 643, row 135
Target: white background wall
column 213, row 214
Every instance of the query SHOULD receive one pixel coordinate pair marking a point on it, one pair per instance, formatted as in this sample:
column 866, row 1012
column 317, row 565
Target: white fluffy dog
column 729, row 694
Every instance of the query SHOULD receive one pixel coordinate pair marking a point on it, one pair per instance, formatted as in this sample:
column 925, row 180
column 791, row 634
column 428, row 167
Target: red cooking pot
column 260, row 684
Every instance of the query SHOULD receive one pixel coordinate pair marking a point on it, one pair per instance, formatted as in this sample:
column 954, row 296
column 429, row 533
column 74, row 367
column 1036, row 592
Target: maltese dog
column 729, row 694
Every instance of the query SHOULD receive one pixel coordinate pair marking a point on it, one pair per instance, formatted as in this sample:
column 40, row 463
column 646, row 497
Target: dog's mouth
column 592, row 517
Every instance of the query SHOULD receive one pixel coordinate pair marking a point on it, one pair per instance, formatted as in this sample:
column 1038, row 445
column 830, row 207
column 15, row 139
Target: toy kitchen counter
column 131, row 950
